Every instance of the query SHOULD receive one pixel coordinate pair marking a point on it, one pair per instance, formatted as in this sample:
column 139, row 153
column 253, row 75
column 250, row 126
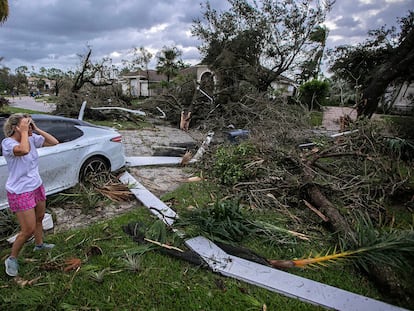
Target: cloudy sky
column 52, row 33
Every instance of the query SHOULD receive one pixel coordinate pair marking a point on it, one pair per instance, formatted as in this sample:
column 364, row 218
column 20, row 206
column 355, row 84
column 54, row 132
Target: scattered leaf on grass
column 72, row 263
column 23, row 282
column 94, row 250
column 194, row 179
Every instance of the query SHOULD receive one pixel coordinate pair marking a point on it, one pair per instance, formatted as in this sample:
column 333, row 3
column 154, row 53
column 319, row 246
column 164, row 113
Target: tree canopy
column 257, row 41
column 141, row 58
column 169, row 61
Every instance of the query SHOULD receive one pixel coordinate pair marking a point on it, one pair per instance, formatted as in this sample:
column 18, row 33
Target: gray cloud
column 51, row 33
column 355, row 18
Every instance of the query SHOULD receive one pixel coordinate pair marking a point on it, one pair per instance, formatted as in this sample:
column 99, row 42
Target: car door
column 59, row 165
column 3, row 178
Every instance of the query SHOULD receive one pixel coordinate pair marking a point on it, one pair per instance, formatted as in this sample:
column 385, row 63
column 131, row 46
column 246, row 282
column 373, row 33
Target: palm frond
column 389, row 247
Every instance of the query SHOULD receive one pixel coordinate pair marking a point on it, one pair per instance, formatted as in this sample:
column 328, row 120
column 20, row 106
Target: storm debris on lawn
column 331, row 183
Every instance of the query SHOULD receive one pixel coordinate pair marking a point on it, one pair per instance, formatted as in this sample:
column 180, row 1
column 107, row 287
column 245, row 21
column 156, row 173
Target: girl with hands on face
column 25, row 191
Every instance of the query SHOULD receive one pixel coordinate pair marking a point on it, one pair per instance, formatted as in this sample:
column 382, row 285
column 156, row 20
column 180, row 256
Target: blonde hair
column 12, row 122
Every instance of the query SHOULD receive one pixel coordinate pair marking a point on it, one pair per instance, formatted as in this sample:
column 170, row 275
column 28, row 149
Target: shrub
column 230, row 163
column 8, row 224
column 313, row 93
column 3, row 102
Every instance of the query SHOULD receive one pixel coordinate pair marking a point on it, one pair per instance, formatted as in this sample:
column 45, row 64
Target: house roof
column 143, row 74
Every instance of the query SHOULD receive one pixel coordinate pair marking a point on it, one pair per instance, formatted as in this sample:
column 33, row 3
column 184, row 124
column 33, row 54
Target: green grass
column 104, row 282
column 17, row 110
column 164, row 283
column 403, row 124
column 316, row 118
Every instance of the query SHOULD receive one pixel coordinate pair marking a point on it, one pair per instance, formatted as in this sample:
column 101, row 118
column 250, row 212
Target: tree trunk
column 385, row 277
column 337, row 222
column 400, row 65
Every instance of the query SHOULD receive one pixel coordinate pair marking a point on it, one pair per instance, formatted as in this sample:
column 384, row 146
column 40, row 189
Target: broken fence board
column 138, row 112
column 149, row 161
column 155, row 205
column 282, row 282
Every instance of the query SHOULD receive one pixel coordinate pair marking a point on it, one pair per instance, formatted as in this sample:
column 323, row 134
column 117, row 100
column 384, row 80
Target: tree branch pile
column 328, row 183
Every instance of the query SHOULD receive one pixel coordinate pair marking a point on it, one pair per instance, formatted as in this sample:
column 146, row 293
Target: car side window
column 63, row 131
column 2, row 120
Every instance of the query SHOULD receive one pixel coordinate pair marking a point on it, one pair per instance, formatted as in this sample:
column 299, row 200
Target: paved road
column 28, row 102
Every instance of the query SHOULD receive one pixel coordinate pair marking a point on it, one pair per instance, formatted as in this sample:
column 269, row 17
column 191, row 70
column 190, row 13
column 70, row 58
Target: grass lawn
column 151, row 280
column 11, row 110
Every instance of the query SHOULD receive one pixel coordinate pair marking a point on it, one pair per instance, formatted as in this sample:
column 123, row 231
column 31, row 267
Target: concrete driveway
column 331, row 117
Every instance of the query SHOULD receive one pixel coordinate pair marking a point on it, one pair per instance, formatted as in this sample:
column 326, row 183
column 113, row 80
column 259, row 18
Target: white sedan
column 83, row 148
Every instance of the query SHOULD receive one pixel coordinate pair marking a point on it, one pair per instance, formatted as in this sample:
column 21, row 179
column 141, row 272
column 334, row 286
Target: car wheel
column 92, row 168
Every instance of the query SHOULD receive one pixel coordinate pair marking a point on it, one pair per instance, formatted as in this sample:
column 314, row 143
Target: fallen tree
column 338, row 178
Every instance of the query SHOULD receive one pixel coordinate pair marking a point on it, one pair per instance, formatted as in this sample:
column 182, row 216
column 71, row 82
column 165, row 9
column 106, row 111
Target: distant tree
column 22, row 70
column 4, row 11
column 141, row 58
column 169, row 62
column 5, row 83
column 57, row 76
column 386, row 56
column 96, row 74
column 311, row 66
column 256, row 41
column 12, row 82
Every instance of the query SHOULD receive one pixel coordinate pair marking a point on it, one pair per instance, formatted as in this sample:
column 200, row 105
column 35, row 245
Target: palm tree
column 319, row 35
column 4, row 10
column 169, row 62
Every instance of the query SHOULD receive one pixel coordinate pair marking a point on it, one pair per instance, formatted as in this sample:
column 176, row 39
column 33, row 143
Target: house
column 202, row 73
column 146, row 83
column 398, row 98
column 404, row 101
column 142, row 83
column 36, row 84
column 283, row 86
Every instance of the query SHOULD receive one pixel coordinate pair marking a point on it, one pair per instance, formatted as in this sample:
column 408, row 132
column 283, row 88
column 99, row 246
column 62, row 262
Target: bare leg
column 40, row 214
column 27, row 221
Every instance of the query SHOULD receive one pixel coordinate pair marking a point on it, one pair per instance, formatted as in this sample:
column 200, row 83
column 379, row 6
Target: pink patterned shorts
column 27, row 200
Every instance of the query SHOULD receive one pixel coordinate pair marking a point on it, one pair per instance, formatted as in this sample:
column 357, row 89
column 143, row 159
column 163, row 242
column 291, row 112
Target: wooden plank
column 282, row 282
column 155, row 205
column 152, row 161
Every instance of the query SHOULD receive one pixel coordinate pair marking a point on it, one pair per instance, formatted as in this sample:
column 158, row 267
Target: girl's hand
column 23, row 125
column 33, row 125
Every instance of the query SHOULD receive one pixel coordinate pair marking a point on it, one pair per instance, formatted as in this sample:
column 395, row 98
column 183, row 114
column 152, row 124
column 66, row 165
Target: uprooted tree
column 385, row 57
column 329, row 185
column 247, row 48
